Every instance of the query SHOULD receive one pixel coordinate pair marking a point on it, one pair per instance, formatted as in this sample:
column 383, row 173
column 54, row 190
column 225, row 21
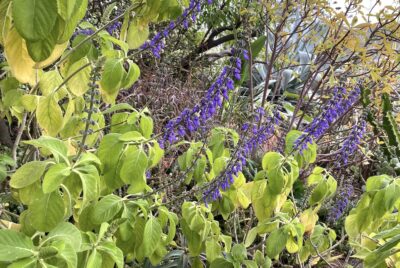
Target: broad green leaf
column 213, row 249
column 276, row 242
column 319, row 193
column 28, row 174
column 40, row 50
column 90, row 182
column 377, row 182
column 134, row 167
column 95, row 259
column 79, row 74
column 24, row 263
column 146, row 126
column 47, row 212
column 118, row 107
column 106, row 208
column 250, row 237
column 131, row 136
column 111, row 145
column 67, row 252
column 49, row 115
column 111, row 79
column 34, row 19
column 113, row 251
column 221, row 263
column 72, row 13
column 272, row 162
column 137, row 35
column 239, row 252
column 151, row 236
column 88, row 159
column 156, row 154
column 54, row 177
column 131, row 76
column 57, row 147
column 66, row 232
column 14, row 246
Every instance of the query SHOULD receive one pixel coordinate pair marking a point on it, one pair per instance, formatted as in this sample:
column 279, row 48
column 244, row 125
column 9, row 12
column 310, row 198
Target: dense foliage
column 166, row 133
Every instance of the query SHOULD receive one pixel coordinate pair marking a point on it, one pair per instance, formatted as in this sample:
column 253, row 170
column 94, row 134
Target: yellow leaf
column 80, row 77
column 49, row 115
column 308, row 218
column 18, row 58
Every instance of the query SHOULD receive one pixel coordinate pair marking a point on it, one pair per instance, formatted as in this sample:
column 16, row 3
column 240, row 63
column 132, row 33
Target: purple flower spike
column 335, row 108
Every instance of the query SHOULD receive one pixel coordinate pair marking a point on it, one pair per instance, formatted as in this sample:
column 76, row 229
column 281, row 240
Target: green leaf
column 54, row 177
column 49, row 115
column 95, row 259
column 146, row 126
column 78, row 83
column 55, row 146
column 250, row 237
column 239, row 252
column 66, row 232
column 40, row 50
column 34, row 19
column 28, row 174
column 113, row 251
column 14, row 246
column 111, row 145
column 319, row 193
column 377, row 182
column 134, row 167
column 23, row 263
column 272, row 162
column 67, row 253
column 106, row 208
column 213, row 249
column 119, row 107
column 156, row 154
column 131, row 76
column 90, row 182
column 152, row 236
column 137, row 35
column 111, row 79
column 276, row 242
column 221, row 263
column 47, row 212
column 72, row 11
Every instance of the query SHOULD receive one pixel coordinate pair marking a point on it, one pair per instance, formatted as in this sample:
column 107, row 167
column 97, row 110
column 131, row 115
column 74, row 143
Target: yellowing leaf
column 49, row 115
column 18, row 58
column 78, row 83
column 137, row 35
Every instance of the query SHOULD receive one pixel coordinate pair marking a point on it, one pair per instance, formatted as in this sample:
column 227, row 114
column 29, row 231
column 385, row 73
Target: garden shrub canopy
column 199, row 133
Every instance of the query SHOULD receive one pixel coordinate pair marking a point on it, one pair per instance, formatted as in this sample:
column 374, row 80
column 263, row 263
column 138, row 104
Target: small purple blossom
column 82, row 32
column 335, row 108
column 342, row 202
column 350, row 144
column 113, row 27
